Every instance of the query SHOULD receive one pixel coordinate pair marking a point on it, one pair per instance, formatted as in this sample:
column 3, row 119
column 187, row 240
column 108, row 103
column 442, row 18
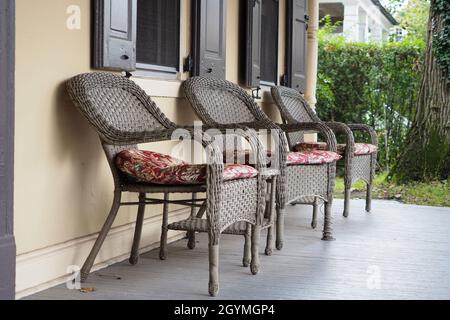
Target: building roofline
column 386, row 13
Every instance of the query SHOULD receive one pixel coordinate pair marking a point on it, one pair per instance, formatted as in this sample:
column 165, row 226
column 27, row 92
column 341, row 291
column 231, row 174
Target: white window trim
column 157, row 87
column 268, row 84
column 154, row 71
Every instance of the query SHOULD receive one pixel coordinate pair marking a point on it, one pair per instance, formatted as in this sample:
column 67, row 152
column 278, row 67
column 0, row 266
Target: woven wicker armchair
column 359, row 158
column 221, row 103
column 125, row 116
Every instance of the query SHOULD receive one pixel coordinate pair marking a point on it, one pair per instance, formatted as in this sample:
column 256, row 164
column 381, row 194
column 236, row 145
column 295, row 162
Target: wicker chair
column 220, row 103
column 360, row 159
column 124, row 116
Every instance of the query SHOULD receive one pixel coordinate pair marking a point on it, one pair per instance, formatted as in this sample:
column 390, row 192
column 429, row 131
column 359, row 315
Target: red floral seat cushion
column 360, row 148
column 312, row 157
column 153, row 167
column 293, row 158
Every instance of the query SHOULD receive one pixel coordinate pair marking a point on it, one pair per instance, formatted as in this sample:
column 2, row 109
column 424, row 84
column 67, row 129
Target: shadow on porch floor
column 396, row 252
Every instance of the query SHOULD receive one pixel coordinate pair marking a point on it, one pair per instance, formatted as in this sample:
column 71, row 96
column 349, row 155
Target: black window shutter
column 252, row 42
column 115, row 34
column 209, row 38
column 296, row 44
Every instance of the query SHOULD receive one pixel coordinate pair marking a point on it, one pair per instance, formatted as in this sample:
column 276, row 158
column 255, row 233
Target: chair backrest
column 219, row 101
column 293, row 109
column 118, row 109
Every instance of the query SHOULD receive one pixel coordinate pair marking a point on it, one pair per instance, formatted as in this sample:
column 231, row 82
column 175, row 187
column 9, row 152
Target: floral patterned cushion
column 312, row 157
column 360, row 148
column 153, row 167
column 293, row 158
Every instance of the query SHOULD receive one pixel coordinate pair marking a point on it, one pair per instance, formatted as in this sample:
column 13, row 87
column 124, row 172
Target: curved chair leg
column 191, row 234
column 269, row 242
column 327, row 229
column 213, row 286
column 101, row 237
column 165, row 222
column 247, row 247
column 369, row 197
column 280, row 228
column 347, row 195
column 256, row 233
column 315, row 212
column 134, row 257
column 191, row 240
column 270, row 216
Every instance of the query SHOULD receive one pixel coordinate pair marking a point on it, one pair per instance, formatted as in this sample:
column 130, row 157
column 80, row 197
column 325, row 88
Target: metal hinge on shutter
column 188, row 63
column 255, row 93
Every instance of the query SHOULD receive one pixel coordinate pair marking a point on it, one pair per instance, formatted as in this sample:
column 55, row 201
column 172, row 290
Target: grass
column 434, row 193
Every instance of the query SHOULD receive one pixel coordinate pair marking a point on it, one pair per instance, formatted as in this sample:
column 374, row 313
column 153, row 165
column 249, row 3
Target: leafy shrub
column 370, row 83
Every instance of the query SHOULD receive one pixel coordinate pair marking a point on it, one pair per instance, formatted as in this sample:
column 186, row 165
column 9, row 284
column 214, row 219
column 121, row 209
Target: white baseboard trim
column 44, row 268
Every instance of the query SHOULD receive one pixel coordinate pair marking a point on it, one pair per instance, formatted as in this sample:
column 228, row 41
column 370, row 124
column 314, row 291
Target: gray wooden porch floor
column 396, row 252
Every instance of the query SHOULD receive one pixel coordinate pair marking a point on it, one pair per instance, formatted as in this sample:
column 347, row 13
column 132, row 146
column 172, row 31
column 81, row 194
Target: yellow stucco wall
column 63, row 186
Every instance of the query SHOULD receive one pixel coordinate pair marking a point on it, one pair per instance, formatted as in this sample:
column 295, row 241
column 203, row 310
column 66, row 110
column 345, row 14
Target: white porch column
column 376, row 34
column 351, row 20
column 363, row 25
column 312, row 53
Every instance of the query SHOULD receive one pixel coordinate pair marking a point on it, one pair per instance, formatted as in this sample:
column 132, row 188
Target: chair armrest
column 367, row 129
column 279, row 161
column 340, row 127
column 248, row 134
column 313, row 126
column 209, row 132
column 215, row 166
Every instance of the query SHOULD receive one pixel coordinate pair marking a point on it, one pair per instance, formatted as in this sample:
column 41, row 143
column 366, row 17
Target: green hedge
column 370, row 83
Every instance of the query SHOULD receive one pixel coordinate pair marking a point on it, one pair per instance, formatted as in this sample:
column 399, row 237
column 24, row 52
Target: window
column 130, row 34
column 158, row 35
column 269, row 41
column 260, row 42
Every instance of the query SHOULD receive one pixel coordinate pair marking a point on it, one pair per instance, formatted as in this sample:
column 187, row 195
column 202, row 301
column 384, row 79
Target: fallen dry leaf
column 87, row 290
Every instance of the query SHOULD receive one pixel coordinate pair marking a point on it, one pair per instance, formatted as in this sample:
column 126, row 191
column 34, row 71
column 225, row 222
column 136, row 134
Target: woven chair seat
column 156, row 168
column 361, row 149
column 312, row 157
column 201, row 225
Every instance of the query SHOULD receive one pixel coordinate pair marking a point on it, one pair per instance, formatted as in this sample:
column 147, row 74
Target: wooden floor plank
column 396, row 252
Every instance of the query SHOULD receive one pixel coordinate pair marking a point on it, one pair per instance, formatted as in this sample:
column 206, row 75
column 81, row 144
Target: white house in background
column 361, row 20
